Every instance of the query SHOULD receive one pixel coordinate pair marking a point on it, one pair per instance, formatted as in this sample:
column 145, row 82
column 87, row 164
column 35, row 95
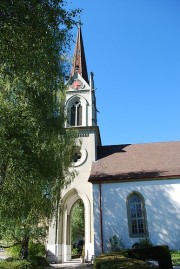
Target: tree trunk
column 24, row 248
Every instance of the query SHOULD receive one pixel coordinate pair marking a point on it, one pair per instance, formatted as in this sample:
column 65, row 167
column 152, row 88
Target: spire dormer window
column 76, row 114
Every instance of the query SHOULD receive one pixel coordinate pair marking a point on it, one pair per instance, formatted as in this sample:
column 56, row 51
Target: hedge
column 159, row 253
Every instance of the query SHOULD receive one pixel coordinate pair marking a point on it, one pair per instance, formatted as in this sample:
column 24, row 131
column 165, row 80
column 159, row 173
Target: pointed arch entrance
column 77, row 229
column 64, row 233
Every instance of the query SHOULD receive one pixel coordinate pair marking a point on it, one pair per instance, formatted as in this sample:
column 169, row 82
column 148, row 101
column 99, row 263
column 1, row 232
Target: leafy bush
column 36, row 262
column 75, row 251
column 16, row 265
column 116, row 243
column 39, row 262
column 36, row 258
column 14, row 251
column 175, row 256
column 143, row 243
column 11, row 259
column 36, row 249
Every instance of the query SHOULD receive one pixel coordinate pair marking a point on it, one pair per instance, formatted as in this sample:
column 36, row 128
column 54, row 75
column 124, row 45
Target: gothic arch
column 77, row 107
column 69, row 199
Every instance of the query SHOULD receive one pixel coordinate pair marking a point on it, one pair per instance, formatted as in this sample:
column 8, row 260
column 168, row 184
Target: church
column 131, row 191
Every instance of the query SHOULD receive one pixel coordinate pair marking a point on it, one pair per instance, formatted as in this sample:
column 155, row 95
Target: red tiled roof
column 136, row 162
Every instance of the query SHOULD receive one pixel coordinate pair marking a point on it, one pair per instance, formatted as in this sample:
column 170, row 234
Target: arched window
column 76, row 114
column 136, row 215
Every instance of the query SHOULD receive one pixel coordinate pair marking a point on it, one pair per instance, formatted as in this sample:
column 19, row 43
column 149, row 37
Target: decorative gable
column 77, row 83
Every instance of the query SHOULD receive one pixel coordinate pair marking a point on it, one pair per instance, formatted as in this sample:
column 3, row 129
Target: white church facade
column 136, row 191
column 131, row 191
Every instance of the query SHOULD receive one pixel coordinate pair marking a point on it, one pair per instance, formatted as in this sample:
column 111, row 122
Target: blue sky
column 133, row 49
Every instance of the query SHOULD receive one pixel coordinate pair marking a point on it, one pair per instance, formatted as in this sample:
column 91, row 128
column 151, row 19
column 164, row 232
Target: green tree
column 77, row 221
column 35, row 148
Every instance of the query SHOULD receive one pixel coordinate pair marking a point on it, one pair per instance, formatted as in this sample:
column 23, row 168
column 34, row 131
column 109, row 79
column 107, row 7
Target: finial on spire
column 79, row 22
column 79, row 60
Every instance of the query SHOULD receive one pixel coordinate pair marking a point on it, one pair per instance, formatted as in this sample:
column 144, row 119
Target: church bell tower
column 81, row 101
column 81, row 115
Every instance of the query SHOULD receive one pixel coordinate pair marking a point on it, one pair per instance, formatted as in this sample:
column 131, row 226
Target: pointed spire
column 79, row 60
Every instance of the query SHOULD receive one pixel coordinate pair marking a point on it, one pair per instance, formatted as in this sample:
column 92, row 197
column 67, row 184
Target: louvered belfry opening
column 76, row 114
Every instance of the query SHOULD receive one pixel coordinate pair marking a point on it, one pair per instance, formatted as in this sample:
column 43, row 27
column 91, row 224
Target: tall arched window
column 136, row 215
column 76, row 114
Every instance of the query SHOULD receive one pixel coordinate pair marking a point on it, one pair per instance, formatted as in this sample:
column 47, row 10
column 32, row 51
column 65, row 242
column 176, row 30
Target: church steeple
column 79, row 60
column 80, row 94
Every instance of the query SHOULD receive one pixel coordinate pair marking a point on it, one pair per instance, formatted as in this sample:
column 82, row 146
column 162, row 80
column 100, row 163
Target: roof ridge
column 146, row 143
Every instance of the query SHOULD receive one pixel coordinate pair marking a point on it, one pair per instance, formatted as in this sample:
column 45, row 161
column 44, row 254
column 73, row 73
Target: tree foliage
column 35, row 148
column 77, row 221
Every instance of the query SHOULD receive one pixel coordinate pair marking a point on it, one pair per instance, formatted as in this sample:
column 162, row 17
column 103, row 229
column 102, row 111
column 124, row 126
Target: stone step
column 69, row 265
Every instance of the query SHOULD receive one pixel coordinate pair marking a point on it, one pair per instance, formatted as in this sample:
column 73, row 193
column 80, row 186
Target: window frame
column 143, row 218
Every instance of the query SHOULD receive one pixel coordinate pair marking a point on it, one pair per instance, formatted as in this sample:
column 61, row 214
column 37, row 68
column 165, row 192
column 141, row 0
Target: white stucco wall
column 162, row 201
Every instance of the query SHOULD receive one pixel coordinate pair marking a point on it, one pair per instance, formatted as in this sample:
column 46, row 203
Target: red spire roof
column 79, row 60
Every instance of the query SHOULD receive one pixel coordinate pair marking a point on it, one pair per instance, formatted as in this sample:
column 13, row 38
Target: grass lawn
column 175, row 256
column 118, row 261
